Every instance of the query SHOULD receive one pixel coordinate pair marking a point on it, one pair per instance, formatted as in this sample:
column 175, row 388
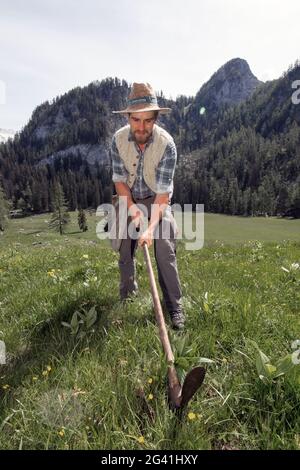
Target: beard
column 142, row 137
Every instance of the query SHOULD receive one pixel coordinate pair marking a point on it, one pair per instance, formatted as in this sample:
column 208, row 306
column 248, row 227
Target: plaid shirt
column 164, row 172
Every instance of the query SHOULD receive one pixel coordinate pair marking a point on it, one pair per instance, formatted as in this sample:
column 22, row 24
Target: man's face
column 141, row 125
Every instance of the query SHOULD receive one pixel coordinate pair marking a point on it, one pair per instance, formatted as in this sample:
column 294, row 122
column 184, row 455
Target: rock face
column 92, row 153
column 80, row 123
column 231, row 84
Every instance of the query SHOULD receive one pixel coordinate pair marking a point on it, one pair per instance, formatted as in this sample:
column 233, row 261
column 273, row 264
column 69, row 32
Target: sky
column 51, row 46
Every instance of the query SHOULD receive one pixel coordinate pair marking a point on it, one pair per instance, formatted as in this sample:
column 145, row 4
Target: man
column 143, row 162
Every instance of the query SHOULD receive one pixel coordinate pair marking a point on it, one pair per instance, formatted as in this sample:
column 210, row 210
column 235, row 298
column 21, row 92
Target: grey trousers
column 165, row 256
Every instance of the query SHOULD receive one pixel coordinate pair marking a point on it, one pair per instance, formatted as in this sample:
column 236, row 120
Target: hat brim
column 136, row 109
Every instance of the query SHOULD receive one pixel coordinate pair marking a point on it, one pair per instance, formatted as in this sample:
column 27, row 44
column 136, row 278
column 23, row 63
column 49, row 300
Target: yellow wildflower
column 61, row 432
column 45, row 373
column 34, row 377
column 150, row 380
column 150, row 396
column 191, row 415
column 141, row 440
column 49, row 368
column 5, row 387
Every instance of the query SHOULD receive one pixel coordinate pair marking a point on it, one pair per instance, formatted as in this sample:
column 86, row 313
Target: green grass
column 235, row 229
column 234, row 290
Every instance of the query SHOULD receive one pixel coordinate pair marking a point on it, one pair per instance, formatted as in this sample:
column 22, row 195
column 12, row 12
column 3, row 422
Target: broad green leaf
column 181, row 373
column 82, row 316
column 206, row 360
column 260, row 361
column 196, row 359
column 271, row 369
column 264, row 367
column 74, row 323
column 284, row 365
column 91, row 313
column 91, row 317
column 263, row 357
column 287, row 367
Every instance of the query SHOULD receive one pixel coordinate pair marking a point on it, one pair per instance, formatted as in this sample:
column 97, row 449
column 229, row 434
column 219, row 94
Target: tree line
column 240, row 159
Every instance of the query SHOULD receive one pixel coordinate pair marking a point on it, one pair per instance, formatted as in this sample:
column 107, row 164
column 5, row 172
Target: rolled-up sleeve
column 166, row 169
column 119, row 172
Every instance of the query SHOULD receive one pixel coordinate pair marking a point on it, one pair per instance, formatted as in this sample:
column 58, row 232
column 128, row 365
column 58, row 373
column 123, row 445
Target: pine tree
column 82, row 222
column 283, row 201
column 3, row 210
column 60, row 217
column 295, row 206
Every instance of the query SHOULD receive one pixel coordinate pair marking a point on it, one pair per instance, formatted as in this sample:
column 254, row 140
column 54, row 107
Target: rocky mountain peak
column 230, row 84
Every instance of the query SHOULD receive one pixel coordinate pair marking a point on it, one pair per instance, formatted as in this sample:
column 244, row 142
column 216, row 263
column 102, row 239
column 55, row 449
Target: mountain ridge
column 251, row 147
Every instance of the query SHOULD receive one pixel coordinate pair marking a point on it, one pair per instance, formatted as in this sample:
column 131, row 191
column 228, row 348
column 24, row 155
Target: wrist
column 130, row 203
column 134, row 210
column 151, row 229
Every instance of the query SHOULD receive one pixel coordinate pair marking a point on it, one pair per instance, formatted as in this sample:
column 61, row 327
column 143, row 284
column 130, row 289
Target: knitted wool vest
column 152, row 156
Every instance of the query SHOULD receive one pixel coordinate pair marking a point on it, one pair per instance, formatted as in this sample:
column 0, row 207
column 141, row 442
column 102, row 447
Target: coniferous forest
column 235, row 158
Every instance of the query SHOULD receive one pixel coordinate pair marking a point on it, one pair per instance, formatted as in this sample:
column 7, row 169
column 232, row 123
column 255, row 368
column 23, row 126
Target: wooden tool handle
column 163, row 334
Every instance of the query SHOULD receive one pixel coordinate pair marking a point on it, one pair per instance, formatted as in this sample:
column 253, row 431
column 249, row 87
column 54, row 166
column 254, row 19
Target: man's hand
column 146, row 237
column 157, row 211
column 136, row 215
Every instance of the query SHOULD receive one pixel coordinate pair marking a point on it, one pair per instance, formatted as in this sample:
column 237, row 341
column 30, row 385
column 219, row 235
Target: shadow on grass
column 50, row 340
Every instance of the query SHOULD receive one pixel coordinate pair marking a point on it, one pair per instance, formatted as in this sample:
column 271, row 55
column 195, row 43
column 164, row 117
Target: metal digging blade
column 178, row 396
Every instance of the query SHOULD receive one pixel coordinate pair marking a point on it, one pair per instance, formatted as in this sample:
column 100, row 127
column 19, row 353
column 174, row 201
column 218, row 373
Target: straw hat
column 142, row 98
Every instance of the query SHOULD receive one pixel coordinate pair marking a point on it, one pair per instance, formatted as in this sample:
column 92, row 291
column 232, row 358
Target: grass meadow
column 84, row 371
